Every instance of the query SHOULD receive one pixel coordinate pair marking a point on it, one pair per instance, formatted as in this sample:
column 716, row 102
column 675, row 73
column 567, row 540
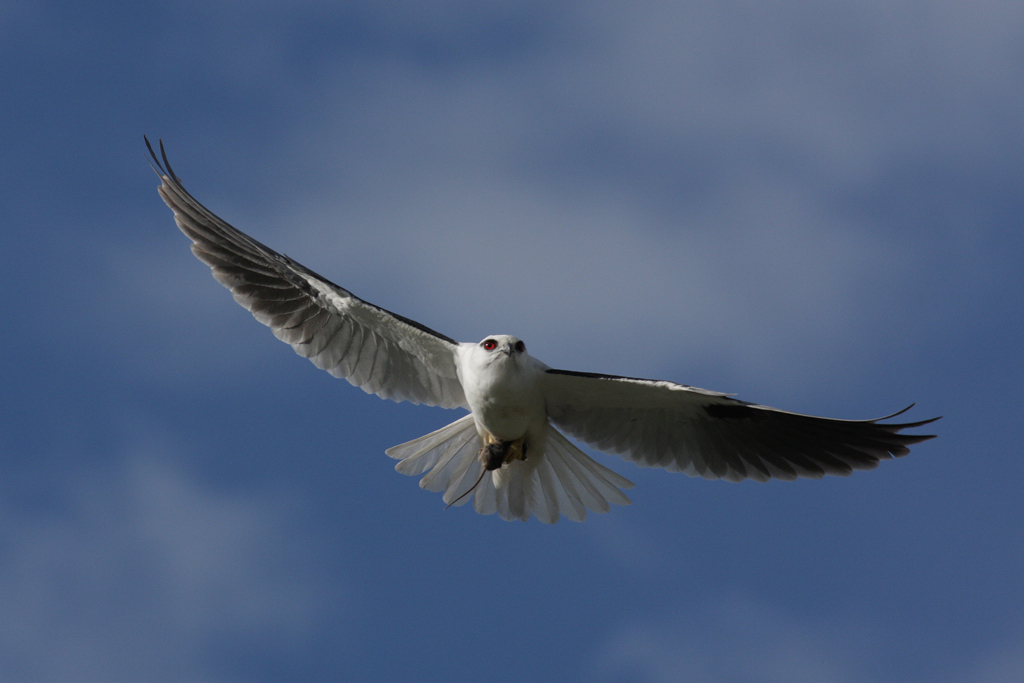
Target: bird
column 509, row 454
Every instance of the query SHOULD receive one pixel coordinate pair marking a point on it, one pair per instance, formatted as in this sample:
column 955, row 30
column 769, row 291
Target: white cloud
column 412, row 182
column 734, row 640
column 1000, row 665
column 134, row 574
column 591, row 276
column 833, row 80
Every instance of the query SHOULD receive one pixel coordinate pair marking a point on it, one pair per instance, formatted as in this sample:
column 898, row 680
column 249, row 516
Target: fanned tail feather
column 560, row 479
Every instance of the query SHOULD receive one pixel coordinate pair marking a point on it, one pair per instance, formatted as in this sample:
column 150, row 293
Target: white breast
column 503, row 392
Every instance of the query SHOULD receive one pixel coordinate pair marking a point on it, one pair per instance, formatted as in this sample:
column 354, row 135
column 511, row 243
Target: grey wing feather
column 381, row 352
column 708, row 434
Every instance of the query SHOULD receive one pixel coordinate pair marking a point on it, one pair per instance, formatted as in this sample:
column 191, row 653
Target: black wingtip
column 167, row 164
column 154, row 162
column 906, row 425
column 896, row 414
column 897, row 428
column 160, row 164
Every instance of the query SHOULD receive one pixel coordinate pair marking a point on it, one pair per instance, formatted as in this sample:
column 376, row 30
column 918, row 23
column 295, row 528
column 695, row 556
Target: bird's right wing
column 376, row 350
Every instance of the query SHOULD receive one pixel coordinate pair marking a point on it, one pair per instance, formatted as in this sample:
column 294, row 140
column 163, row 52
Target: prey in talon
column 494, row 456
column 497, row 453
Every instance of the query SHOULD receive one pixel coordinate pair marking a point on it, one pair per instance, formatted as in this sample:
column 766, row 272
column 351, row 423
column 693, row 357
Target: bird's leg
column 516, row 450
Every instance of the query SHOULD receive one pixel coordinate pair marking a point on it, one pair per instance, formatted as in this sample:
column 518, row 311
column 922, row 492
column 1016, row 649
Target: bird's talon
column 495, row 454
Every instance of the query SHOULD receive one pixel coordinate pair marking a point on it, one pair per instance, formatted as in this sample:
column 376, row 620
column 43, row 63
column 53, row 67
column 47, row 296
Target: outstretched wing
column 706, row 433
column 376, row 350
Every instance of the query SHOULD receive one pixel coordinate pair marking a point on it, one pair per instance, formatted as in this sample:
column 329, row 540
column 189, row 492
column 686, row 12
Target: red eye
column 520, row 347
column 489, row 344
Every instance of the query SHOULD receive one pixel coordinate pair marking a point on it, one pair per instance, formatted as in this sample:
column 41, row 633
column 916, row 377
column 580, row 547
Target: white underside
column 556, row 479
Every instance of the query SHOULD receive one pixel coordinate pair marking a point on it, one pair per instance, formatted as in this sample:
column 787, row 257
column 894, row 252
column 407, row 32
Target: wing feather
column 381, row 352
column 708, row 434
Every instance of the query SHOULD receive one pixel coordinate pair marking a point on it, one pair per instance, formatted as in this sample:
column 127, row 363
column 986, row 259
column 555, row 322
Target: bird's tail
column 557, row 478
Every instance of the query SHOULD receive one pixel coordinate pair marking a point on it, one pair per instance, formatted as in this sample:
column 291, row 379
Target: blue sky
column 814, row 205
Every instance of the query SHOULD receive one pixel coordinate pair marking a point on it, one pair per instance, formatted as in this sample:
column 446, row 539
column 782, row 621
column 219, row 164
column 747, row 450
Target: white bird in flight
column 507, row 454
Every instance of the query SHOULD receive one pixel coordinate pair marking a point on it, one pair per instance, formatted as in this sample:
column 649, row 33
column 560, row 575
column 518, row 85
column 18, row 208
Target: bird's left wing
column 376, row 350
column 706, row 433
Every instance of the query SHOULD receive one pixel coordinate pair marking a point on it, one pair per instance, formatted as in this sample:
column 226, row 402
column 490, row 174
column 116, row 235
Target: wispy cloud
column 140, row 572
column 785, row 195
column 614, row 178
column 733, row 640
column 1003, row 664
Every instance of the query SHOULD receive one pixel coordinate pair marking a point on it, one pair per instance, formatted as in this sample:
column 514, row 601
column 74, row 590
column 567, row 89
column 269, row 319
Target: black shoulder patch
column 598, row 375
column 588, row 375
column 733, row 411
